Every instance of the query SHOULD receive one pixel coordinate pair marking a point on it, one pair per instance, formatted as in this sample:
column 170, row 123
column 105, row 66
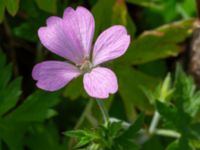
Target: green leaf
column 12, row 133
column 134, row 128
column 35, row 107
column 2, row 59
column 5, row 71
column 45, row 137
column 116, row 13
column 120, row 16
column 2, row 10
column 119, row 13
column 163, row 92
column 187, row 7
column 47, row 5
column 99, row 10
column 159, row 43
column 169, row 113
column 84, row 137
column 173, row 146
column 27, row 31
column 185, row 93
column 115, row 128
column 154, row 143
column 10, row 95
column 130, row 88
column 196, row 130
column 5, row 76
column 130, row 26
column 75, row 89
column 181, row 144
column 9, row 91
column 76, row 133
column 12, row 6
column 145, row 3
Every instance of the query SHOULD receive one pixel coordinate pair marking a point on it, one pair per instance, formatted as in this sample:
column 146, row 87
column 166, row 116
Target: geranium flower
column 71, row 37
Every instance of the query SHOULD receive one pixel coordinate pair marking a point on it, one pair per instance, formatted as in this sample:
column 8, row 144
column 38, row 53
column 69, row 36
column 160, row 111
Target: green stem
column 154, row 122
column 84, row 114
column 103, row 111
column 169, row 133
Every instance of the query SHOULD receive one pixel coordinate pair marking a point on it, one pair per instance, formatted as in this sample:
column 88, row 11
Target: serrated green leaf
column 84, row 137
column 83, row 141
column 45, row 137
column 169, row 113
column 186, row 93
column 9, row 92
column 10, row 95
column 115, row 128
column 159, row 43
column 5, row 75
column 47, row 5
column 35, row 107
column 12, row 6
column 134, row 128
column 12, row 133
column 130, row 88
column 75, row 133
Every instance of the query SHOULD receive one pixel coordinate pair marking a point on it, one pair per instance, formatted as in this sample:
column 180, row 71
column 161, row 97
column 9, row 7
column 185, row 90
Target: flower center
column 86, row 66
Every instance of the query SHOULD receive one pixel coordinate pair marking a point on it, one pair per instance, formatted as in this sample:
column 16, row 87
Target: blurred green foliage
column 36, row 120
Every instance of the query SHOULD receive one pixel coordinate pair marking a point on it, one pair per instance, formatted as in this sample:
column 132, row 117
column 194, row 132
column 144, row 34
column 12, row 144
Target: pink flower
column 71, row 37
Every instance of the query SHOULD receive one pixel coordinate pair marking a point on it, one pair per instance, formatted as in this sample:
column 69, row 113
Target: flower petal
column 53, row 20
column 100, row 82
column 54, row 38
column 79, row 26
column 53, row 75
column 112, row 43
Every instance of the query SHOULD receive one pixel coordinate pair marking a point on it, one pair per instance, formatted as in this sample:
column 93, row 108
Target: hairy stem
column 154, row 122
column 103, row 110
column 169, row 133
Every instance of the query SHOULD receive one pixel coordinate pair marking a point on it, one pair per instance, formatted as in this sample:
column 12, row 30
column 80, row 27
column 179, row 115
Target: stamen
column 86, row 66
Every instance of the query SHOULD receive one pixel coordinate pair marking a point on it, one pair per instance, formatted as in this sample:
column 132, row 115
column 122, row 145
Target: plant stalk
column 169, row 133
column 154, row 122
column 103, row 110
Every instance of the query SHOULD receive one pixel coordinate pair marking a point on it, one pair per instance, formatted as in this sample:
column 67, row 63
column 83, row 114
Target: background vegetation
column 161, row 32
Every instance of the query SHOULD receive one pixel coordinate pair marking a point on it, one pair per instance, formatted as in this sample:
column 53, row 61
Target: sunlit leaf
column 159, row 43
